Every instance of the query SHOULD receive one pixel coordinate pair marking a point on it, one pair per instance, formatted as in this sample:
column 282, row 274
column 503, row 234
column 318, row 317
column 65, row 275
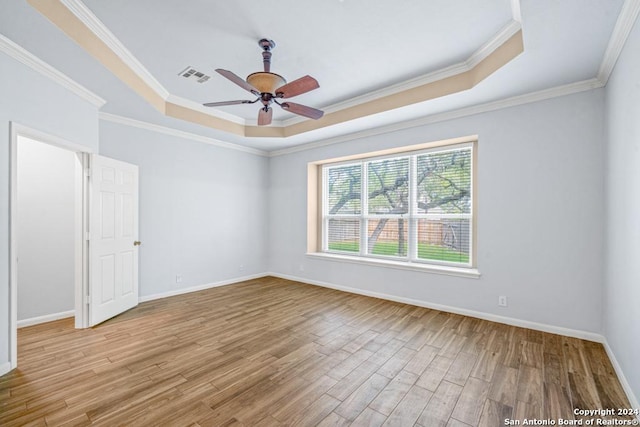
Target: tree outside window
column 414, row 206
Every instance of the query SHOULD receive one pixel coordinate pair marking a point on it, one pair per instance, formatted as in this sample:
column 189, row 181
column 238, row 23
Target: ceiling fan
column 270, row 87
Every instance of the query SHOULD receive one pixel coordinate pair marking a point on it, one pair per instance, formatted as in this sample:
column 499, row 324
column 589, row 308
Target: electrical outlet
column 301, row 267
column 502, row 300
column 241, row 268
column 179, row 278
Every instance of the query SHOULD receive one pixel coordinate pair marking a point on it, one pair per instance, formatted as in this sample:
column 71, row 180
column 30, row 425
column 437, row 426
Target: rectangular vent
column 193, row 74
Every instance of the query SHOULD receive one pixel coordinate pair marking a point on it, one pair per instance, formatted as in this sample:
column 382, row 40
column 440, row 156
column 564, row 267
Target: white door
column 113, row 235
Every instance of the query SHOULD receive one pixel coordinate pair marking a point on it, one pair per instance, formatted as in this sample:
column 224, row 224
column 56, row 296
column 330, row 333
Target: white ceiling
column 352, row 47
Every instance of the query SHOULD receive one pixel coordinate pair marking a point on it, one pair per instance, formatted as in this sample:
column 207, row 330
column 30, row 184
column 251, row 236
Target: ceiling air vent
column 193, row 74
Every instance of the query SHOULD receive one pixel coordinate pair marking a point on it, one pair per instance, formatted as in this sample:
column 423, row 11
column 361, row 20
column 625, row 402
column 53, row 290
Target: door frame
column 81, row 283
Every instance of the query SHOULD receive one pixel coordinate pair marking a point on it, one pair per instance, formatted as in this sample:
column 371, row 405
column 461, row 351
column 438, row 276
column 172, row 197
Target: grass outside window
column 412, row 206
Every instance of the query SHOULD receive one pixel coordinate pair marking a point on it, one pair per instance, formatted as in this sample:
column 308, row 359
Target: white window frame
column 411, row 260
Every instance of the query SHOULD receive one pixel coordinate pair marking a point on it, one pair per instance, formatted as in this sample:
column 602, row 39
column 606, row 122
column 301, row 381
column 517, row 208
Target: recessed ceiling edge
column 90, row 33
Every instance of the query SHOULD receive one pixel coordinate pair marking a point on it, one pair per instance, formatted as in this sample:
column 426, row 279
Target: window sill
column 425, row 268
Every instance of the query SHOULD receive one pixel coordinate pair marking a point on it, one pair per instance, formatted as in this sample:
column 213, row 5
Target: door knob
column 137, row 243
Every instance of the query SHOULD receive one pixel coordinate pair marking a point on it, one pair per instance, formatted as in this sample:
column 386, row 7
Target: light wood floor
column 270, row 352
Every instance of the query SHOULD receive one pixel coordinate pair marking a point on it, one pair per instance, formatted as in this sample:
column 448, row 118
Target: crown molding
column 624, row 25
column 113, row 118
column 88, row 18
column 443, row 73
column 528, row 98
column 508, row 31
column 515, row 10
column 25, row 57
column 490, row 57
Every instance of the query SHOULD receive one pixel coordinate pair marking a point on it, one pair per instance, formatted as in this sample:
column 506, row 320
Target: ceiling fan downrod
column 266, row 46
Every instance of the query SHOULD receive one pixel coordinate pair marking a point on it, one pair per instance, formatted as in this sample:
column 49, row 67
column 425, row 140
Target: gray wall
column 45, row 226
column 540, row 215
column 32, row 100
column 205, row 210
column 202, row 208
column 622, row 280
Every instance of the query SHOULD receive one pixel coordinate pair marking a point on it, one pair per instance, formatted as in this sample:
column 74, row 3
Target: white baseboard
column 633, row 400
column 4, row 368
column 200, row 287
column 590, row 336
column 46, row 318
column 585, row 335
column 62, row 315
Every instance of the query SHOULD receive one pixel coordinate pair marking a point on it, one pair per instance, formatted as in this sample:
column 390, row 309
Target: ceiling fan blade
column 237, row 80
column 302, row 110
column 264, row 116
column 297, row 87
column 219, row 104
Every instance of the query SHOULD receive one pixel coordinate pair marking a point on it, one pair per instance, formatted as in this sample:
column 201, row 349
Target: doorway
column 103, row 247
column 47, row 223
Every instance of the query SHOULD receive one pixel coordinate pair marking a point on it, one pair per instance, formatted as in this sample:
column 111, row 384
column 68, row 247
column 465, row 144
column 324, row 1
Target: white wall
column 33, row 100
column 202, row 208
column 622, row 177
column 45, row 227
column 540, row 215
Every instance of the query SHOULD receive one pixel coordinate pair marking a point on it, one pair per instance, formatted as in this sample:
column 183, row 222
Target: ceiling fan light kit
column 266, row 82
column 269, row 87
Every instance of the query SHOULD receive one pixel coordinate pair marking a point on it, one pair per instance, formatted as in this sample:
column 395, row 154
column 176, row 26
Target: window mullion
column 325, row 209
column 412, row 250
column 364, row 203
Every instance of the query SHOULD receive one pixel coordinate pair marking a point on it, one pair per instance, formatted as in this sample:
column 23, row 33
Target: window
column 412, row 206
